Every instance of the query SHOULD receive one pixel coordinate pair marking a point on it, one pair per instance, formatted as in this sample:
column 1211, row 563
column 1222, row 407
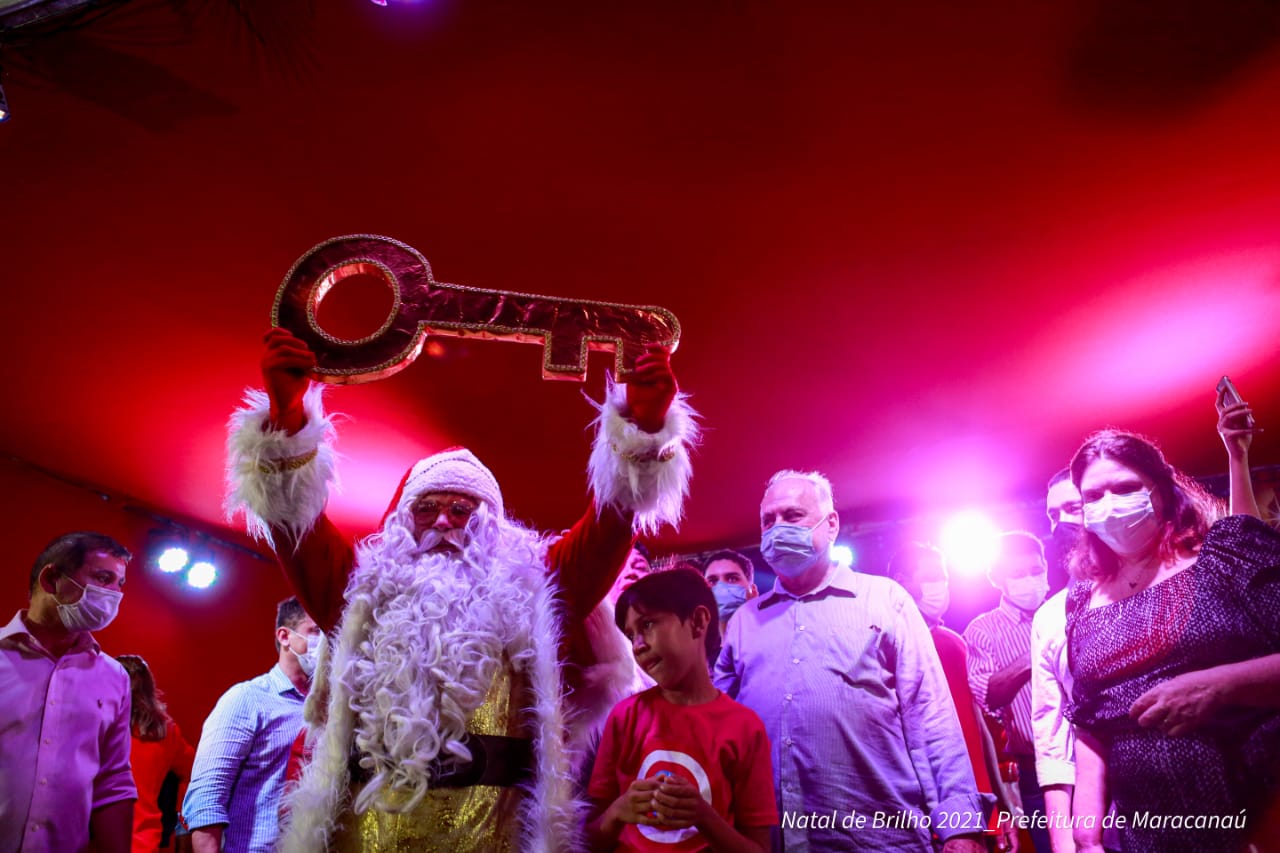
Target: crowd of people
column 459, row 682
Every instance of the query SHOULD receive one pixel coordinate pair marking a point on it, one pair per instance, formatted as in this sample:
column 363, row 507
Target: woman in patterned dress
column 1172, row 634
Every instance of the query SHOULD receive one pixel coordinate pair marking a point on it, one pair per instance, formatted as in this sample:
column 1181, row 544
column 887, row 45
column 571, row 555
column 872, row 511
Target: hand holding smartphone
column 1227, row 392
column 1228, row 396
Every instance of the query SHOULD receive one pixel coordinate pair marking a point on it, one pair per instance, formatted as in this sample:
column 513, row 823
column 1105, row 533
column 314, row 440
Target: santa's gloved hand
column 651, row 389
column 285, row 365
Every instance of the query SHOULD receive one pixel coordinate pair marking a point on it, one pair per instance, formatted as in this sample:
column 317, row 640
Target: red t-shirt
column 151, row 761
column 719, row 746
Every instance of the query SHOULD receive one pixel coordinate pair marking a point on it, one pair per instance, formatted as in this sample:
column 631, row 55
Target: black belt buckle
column 495, row 760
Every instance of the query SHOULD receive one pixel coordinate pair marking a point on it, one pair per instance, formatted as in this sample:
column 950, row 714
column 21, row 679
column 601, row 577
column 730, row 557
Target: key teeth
column 423, row 306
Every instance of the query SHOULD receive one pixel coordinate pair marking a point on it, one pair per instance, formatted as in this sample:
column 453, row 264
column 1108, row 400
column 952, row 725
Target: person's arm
column 111, row 827
column 678, row 804
column 1008, row 797
column 1089, row 800
column 1181, row 705
column 1236, row 427
column 726, row 674
column 1057, row 802
column 639, row 476
column 1053, row 735
column 1005, row 683
column 611, row 809
column 114, row 791
column 207, row 839
column 280, row 468
column 932, row 731
column 980, row 663
column 225, row 742
column 317, row 566
column 633, row 805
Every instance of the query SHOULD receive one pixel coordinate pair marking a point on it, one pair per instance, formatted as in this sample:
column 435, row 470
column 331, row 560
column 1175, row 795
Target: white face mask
column 1125, row 523
column 94, row 611
column 935, row 598
column 307, row 660
column 1027, row 593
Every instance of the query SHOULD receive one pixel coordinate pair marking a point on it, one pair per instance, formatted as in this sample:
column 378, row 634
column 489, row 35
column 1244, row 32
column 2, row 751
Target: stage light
column 201, row 575
column 842, row 554
column 173, row 559
column 970, row 543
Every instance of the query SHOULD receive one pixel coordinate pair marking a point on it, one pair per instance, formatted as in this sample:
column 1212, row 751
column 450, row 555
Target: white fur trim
column 550, row 817
column 290, row 499
column 453, row 471
column 646, row 474
column 604, row 683
column 321, row 794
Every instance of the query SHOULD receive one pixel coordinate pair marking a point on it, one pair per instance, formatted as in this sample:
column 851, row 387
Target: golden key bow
column 566, row 328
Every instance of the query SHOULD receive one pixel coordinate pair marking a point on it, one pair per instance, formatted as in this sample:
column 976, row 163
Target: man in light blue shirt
column 867, row 750
column 233, row 800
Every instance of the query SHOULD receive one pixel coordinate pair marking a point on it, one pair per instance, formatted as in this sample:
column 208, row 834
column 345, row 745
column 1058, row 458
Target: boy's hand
column 635, row 804
column 679, row 804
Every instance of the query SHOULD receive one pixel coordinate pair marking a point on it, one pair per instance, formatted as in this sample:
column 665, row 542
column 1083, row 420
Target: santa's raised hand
column 651, row 388
column 286, row 363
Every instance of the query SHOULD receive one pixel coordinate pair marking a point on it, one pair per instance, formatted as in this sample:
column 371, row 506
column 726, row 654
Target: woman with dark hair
column 158, row 749
column 1172, row 634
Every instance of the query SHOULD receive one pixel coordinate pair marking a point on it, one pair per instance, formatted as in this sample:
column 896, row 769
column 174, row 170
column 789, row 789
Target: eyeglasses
column 459, row 511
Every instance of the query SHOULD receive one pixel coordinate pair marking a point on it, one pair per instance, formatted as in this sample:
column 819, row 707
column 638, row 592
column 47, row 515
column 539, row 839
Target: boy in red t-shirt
column 681, row 766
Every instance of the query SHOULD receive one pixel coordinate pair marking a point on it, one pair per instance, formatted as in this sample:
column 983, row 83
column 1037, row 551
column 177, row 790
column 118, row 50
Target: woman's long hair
column 149, row 719
column 1187, row 510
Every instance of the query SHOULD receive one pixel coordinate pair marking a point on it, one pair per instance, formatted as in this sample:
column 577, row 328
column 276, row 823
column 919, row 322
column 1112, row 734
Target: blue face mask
column 788, row 548
column 729, row 597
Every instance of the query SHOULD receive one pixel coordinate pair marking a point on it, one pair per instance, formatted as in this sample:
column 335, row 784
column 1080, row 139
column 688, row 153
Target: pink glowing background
column 924, row 249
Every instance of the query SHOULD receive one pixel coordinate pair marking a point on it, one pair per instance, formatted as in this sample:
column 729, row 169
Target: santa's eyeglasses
column 458, row 511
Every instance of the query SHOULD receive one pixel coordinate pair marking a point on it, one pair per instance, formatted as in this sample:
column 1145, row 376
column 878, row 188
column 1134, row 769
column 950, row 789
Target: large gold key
column 422, row 306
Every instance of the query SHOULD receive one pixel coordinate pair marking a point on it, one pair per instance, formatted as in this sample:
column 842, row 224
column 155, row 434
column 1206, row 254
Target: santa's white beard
column 441, row 622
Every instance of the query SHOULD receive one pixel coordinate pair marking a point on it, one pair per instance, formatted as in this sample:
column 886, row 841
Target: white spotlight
column 970, row 543
column 172, row 560
column 202, row 574
column 842, row 554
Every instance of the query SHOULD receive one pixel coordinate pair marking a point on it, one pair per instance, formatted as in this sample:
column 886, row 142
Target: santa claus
column 439, row 707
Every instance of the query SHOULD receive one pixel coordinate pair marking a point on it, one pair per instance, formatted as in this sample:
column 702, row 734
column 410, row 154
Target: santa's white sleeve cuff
column 276, row 479
column 646, row 474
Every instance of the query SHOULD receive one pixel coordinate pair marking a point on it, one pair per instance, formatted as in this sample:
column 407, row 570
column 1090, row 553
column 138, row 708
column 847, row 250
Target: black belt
column 495, row 760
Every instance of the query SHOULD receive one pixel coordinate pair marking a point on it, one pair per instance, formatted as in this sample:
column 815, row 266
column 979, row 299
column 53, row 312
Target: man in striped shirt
column 233, row 801
column 1000, row 658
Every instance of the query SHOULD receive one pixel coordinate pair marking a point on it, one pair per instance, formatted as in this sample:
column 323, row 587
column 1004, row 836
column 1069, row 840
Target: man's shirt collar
column 17, row 634
column 838, row 581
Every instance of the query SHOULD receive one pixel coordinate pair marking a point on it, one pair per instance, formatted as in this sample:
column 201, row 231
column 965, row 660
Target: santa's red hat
column 454, row 470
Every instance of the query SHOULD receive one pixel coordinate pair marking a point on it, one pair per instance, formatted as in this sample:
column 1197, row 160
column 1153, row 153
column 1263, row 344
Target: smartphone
column 1230, row 396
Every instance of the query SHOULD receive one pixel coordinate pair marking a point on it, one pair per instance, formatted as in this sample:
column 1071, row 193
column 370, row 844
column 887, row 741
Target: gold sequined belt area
column 506, row 762
column 478, row 819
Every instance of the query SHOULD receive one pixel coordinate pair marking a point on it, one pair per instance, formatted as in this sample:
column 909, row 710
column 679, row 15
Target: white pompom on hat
column 454, row 470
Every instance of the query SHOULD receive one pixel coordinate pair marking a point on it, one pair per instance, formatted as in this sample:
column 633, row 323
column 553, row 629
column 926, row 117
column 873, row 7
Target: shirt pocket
column 856, row 657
